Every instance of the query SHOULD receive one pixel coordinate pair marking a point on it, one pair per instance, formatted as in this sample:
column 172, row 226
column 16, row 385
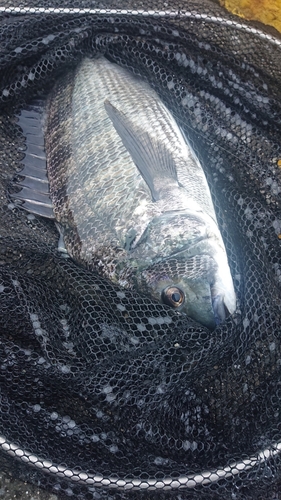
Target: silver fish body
column 129, row 195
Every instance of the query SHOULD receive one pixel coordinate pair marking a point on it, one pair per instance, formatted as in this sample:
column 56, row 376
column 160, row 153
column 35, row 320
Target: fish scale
column 128, row 192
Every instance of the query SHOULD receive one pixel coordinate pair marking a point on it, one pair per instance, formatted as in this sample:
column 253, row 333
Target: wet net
column 104, row 393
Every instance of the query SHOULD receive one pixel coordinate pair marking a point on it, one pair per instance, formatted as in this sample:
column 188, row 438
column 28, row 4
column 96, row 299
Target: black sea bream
column 129, row 196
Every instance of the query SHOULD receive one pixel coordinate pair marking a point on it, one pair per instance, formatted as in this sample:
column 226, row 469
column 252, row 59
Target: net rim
column 189, row 481
column 167, row 14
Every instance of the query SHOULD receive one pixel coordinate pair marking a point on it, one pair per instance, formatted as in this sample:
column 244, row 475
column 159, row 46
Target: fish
column 128, row 194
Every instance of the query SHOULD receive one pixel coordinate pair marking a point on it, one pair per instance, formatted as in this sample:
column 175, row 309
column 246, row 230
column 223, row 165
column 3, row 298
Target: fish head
column 189, row 286
column 181, row 261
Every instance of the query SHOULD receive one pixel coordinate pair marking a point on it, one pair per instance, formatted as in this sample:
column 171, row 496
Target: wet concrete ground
column 11, row 489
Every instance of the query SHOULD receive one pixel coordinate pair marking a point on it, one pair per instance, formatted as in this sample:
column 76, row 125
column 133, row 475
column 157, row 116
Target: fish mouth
column 220, row 310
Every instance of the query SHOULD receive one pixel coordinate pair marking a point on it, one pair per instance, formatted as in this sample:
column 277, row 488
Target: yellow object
column 265, row 11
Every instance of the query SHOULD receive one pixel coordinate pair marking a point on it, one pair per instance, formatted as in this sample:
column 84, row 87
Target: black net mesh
column 104, row 393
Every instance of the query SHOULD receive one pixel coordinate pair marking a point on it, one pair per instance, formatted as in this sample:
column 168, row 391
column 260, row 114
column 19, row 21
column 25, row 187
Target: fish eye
column 173, row 296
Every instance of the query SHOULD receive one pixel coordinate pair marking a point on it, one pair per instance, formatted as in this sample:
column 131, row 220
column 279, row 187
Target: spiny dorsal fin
column 34, row 195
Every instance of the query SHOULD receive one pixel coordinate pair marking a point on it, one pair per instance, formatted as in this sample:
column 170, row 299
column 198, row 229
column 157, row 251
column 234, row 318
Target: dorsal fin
column 34, row 193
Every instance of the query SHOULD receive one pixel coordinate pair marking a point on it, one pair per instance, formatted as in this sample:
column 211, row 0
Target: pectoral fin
column 151, row 156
